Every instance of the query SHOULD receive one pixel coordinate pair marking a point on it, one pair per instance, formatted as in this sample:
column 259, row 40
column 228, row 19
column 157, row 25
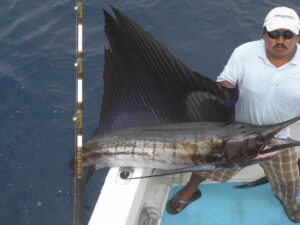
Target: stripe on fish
column 238, row 145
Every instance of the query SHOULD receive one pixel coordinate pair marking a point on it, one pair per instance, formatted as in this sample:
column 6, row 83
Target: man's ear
column 264, row 35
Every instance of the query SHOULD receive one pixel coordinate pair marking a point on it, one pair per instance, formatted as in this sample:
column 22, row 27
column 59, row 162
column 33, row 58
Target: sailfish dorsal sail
column 145, row 85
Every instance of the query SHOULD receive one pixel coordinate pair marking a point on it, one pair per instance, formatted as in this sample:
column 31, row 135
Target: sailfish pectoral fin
column 220, row 165
column 260, row 181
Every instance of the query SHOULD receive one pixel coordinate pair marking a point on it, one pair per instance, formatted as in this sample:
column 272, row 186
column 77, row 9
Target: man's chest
column 271, row 83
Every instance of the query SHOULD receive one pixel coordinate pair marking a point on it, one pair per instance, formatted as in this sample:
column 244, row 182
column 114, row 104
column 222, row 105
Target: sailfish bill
column 158, row 113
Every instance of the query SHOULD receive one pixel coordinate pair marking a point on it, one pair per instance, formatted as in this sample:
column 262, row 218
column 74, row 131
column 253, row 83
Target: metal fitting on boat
column 149, row 216
column 126, row 172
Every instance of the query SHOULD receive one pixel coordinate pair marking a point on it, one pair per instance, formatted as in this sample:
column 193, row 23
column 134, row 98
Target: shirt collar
column 262, row 52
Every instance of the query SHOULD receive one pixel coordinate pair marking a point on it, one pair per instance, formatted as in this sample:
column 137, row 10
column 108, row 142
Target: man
column 267, row 73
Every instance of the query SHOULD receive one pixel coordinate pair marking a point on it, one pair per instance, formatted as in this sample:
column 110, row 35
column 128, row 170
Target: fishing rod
column 78, row 119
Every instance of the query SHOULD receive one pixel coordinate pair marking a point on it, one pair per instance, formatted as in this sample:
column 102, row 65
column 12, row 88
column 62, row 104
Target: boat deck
column 221, row 204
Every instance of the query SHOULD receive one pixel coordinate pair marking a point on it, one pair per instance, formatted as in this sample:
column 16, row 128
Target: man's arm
column 226, row 83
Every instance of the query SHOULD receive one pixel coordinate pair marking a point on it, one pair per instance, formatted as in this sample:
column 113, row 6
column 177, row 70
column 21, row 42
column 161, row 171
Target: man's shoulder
column 248, row 47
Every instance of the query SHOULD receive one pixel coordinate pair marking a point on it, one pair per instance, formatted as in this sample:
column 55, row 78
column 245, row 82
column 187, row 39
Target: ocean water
column 37, row 85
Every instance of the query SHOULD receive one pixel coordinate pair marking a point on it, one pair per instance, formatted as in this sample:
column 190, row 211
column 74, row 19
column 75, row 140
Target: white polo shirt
column 267, row 94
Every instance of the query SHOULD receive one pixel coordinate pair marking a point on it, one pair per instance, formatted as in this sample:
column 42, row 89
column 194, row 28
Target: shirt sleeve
column 232, row 70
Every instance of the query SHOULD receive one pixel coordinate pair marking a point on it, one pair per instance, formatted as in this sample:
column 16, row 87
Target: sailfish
column 158, row 113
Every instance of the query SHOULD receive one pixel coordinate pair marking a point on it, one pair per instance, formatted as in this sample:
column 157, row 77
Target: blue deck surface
column 221, row 204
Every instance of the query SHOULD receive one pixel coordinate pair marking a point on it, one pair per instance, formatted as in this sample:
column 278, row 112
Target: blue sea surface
column 37, row 85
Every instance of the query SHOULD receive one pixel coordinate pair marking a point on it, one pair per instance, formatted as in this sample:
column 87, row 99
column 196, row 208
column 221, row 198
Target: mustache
column 280, row 46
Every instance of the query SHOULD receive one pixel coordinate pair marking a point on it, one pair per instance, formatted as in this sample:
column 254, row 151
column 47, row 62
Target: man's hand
column 226, row 83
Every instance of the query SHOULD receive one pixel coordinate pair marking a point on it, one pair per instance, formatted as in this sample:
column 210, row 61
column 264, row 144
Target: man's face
column 280, row 47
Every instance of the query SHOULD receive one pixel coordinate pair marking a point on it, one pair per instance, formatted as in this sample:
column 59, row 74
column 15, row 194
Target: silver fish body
column 180, row 145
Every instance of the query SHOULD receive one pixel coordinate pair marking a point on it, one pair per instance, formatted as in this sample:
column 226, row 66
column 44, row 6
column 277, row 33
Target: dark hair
column 264, row 30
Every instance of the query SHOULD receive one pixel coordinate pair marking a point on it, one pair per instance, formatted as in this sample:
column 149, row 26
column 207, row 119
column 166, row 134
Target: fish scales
column 168, row 145
column 175, row 146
